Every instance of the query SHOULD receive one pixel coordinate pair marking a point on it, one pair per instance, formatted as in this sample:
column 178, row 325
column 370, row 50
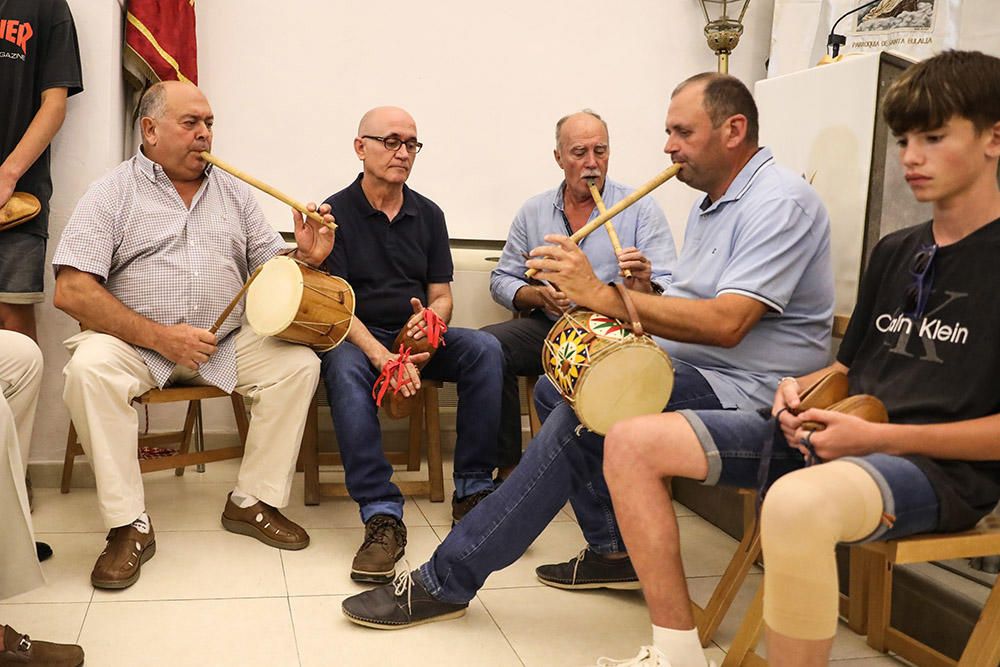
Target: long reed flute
column 601, row 208
column 260, row 185
column 641, row 192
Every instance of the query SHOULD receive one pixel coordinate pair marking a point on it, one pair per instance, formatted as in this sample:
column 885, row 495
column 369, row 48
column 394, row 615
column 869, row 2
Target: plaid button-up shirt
column 167, row 262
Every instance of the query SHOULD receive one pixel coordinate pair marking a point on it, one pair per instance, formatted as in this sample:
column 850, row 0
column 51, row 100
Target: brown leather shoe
column 20, row 650
column 265, row 523
column 119, row 564
column 385, row 543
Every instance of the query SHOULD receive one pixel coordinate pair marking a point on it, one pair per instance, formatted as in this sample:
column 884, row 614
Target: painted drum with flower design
column 604, row 370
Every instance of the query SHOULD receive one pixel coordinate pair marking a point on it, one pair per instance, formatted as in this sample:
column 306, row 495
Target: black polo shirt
column 388, row 262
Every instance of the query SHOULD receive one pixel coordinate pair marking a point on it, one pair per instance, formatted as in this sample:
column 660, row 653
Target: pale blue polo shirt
column 641, row 225
column 767, row 238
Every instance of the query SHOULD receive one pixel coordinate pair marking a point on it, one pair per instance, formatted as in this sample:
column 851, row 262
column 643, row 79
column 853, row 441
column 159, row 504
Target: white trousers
column 104, row 374
column 20, row 380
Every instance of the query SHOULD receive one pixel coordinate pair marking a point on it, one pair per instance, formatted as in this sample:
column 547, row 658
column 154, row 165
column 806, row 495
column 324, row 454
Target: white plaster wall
column 486, row 84
column 89, row 143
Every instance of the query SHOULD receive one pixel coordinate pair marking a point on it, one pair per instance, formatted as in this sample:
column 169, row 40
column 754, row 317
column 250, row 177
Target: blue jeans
column 558, row 465
column 733, row 439
column 470, row 358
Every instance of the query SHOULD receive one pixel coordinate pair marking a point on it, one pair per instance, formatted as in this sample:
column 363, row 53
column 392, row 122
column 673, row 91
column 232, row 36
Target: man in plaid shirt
column 153, row 253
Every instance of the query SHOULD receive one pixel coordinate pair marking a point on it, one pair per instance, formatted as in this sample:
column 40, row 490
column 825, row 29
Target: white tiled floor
column 209, row 597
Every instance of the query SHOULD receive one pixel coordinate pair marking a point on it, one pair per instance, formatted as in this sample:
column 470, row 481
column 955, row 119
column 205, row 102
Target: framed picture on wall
column 891, row 205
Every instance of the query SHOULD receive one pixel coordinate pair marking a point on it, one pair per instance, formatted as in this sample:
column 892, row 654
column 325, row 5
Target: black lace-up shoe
column 590, row 570
column 385, row 543
column 400, row 604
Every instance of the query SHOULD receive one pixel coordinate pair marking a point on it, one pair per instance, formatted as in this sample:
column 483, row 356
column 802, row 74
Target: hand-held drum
column 21, row 207
column 294, row 302
column 606, row 369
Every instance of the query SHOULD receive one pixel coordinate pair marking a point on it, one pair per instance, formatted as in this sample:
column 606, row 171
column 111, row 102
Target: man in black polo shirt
column 392, row 246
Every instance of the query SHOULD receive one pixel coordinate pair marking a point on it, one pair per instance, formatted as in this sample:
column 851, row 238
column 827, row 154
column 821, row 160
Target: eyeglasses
column 919, row 291
column 392, row 143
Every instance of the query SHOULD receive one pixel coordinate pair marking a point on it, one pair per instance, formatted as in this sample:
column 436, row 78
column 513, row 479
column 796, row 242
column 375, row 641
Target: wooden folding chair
column 425, row 423
column 983, row 647
column 181, row 456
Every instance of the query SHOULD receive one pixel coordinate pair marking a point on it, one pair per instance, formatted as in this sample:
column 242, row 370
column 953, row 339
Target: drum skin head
column 623, row 382
column 273, row 298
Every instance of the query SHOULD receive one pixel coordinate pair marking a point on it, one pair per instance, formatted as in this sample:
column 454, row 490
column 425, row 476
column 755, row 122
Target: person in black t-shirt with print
column 392, row 247
column 39, row 69
column 921, row 339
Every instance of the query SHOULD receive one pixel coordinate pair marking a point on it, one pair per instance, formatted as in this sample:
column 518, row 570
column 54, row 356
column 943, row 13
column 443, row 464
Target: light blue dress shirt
column 767, row 238
column 642, row 225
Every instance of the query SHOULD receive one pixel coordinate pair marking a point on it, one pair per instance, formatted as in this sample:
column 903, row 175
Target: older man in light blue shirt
column 582, row 151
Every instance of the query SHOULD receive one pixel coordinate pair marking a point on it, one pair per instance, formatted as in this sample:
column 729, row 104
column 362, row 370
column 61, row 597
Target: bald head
column 384, row 166
column 153, row 103
column 375, row 120
column 585, row 120
column 176, row 122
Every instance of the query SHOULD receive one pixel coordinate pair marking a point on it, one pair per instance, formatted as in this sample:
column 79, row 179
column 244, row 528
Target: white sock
column 682, row 647
column 243, row 500
column 142, row 524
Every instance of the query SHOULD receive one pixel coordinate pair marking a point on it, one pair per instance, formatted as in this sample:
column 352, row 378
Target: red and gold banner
column 160, row 39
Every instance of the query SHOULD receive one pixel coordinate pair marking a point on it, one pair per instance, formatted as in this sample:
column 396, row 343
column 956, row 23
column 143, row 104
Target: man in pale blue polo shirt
column 751, row 301
column 582, row 151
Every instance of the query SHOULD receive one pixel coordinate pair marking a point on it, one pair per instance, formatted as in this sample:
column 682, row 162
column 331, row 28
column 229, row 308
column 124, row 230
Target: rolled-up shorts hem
column 22, row 298
column 909, row 504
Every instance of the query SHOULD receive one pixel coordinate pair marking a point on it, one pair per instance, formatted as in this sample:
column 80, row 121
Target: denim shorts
column 22, row 267
column 733, row 441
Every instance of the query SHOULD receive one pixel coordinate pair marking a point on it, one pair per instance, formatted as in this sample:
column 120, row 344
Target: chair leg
column 435, row 469
column 879, row 600
column 189, row 425
column 71, row 452
column 535, row 424
column 310, row 454
column 857, row 598
column 725, row 592
column 984, row 642
column 416, row 436
column 748, row 635
column 240, row 413
column 199, row 443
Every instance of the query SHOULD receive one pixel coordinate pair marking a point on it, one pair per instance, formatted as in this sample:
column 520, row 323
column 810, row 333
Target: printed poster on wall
column 916, row 28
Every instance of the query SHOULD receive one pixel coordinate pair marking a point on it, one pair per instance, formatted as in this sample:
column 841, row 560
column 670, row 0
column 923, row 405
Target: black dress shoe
column 402, row 603
column 43, row 551
column 590, row 570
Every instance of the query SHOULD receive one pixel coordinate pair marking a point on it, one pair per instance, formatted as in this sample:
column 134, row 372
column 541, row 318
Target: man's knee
column 29, row 356
column 302, row 362
column 623, row 449
column 792, row 503
column 93, row 358
column 344, row 361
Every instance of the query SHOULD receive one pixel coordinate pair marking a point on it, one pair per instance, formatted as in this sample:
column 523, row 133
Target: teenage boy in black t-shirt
column 39, row 69
column 921, row 339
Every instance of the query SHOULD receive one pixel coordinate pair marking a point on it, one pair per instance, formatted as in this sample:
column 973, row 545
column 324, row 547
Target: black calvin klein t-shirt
column 943, row 367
